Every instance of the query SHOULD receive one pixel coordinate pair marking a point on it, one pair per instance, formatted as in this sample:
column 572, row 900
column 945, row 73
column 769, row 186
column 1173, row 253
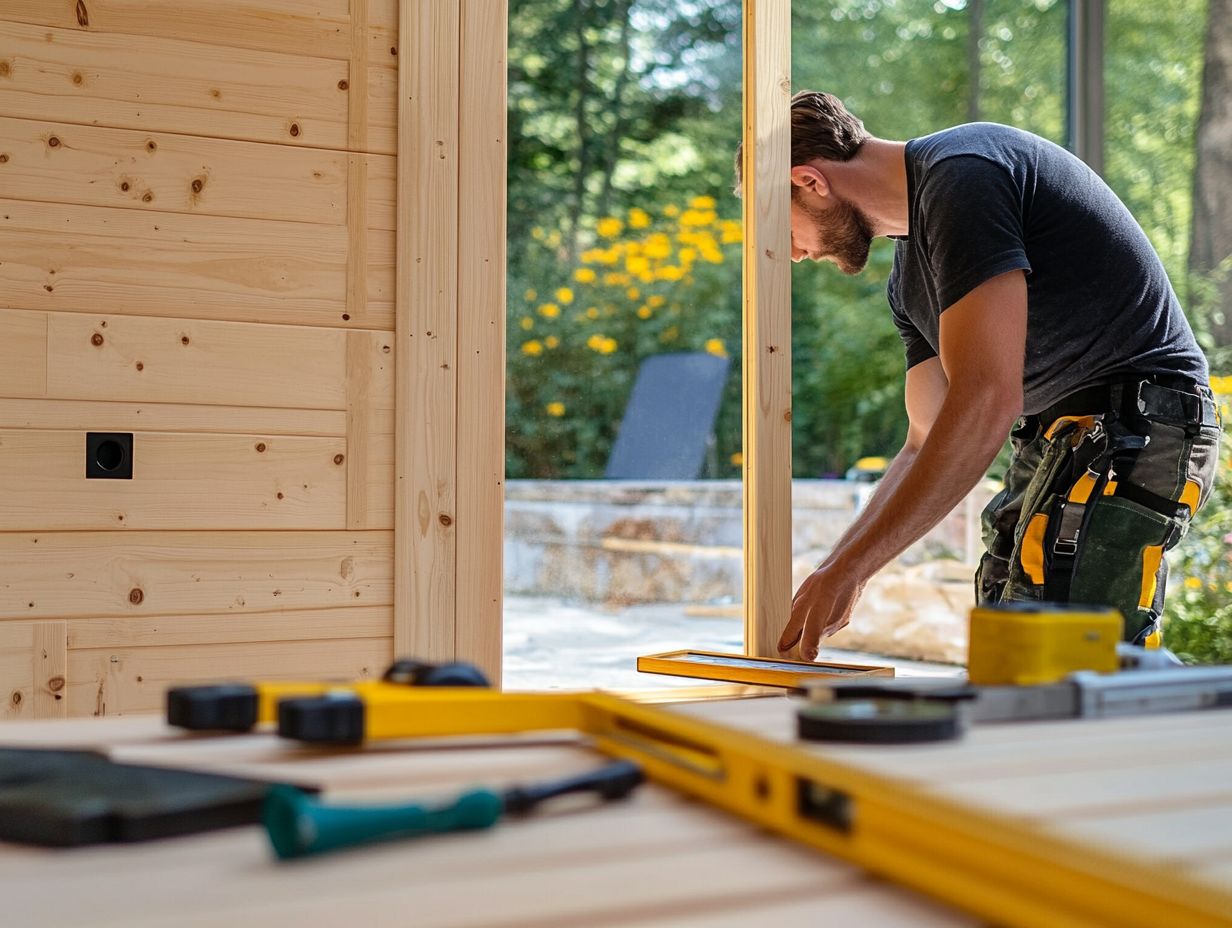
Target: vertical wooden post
column 426, row 320
column 450, row 317
column 481, row 335
column 767, row 323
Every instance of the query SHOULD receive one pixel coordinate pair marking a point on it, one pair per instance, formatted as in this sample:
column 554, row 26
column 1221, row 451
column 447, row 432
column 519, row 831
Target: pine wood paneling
column 167, row 85
column 85, row 415
column 370, row 430
column 23, row 353
column 308, row 27
column 61, row 163
column 117, row 681
column 16, row 670
column 180, row 481
column 133, row 358
column 89, row 574
column 98, row 259
column 186, row 630
column 49, row 668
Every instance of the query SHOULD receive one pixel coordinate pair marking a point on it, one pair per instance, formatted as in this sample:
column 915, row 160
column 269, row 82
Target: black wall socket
column 109, row 455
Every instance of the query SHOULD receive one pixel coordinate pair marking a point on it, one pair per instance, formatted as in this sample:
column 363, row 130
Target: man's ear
column 809, row 178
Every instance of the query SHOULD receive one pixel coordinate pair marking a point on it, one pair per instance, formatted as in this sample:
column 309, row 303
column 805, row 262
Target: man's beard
column 845, row 233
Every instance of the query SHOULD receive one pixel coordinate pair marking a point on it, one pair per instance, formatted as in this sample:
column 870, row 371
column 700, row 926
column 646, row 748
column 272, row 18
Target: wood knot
column 385, row 349
column 78, row 79
column 136, row 595
column 54, row 142
column 280, row 496
column 346, row 317
column 393, row 50
column 140, row 366
column 148, row 198
column 4, row 159
column 260, row 447
column 124, row 186
column 15, row 699
column 96, row 340
column 339, row 458
column 295, row 129
column 343, row 85
column 55, row 684
column 445, row 520
column 83, row 15
column 198, row 185
column 184, row 340
column 151, row 145
column 787, row 416
column 5, row 69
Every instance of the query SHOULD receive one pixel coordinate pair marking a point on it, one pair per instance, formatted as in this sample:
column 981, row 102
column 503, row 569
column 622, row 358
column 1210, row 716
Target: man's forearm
column 930, row 482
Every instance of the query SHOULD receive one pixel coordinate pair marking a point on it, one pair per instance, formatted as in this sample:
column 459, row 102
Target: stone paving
column 553, row 644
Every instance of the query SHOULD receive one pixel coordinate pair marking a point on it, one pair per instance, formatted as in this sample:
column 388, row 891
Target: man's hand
column 821, row 606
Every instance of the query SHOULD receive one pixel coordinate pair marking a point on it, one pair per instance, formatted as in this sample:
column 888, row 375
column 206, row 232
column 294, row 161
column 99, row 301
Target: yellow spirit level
column 999, row 868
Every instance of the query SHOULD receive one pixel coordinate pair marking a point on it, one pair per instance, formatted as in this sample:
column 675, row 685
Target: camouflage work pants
column 1093, row 500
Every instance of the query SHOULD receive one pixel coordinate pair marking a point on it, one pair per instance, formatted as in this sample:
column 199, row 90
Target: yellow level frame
column 994, row 866
column 754, row 671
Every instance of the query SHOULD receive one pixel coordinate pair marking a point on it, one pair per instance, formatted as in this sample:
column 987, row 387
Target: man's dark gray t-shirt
column 985, row 199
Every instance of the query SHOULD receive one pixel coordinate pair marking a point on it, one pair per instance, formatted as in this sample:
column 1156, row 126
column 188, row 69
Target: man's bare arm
column 982, row 343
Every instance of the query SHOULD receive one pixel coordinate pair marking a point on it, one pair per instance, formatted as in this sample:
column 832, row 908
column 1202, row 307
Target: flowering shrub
column 1198, row 615
column 643, row 284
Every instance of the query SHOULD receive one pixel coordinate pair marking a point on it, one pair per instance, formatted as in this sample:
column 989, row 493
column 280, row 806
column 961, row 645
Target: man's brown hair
column 821, row 127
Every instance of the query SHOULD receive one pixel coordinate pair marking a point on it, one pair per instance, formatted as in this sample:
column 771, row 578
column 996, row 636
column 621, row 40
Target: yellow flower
column 530, row 296
column 601, row 343
column 688, row 256
column 658, row 246
column 732, row 232
column 712, row 255
column 551, row 341
column 654, row 302
column 671, row 210
column 549, row 310
column 644, row 312
column 633, row 293
column 615, row 280
column 609, row 256
column 1193, row 583
column 638, row 218
column 537, row 234
column 555, row 409
column 528, row 323
column 737, row 459
column 609, row 227
column 669, row 273
column 584, row 275
column 702, row 202
column 636, row 264
column 533, row 348
column 565, row 295
column 592, row 312
column 716, row 347
column 697, row 217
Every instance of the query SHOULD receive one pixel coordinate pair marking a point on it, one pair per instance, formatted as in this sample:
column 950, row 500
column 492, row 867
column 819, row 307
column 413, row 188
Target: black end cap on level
column 222, row 707
column 328, row 719
column 878, row 721
column 410, row 672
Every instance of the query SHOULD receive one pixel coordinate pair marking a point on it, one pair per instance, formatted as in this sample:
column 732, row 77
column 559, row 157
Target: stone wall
column 618, row 543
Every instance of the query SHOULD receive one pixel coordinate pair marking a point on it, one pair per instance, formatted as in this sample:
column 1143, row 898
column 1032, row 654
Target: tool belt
column 1076, row 551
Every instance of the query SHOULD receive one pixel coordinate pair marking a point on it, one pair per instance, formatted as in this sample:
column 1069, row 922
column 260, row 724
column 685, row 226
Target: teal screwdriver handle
column 299, row 825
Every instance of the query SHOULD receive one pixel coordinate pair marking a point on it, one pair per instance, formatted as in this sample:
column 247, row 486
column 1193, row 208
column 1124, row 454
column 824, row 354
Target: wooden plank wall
column 197, row 230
